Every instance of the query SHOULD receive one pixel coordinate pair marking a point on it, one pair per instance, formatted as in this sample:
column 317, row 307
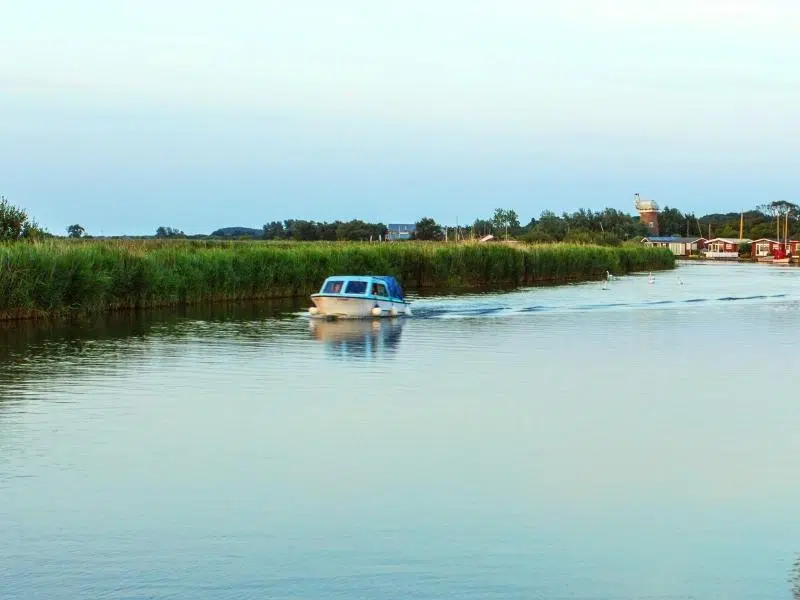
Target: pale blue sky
column 127, row 115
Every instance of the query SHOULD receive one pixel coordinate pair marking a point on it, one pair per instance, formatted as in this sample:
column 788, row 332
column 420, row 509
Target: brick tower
column 648, row 213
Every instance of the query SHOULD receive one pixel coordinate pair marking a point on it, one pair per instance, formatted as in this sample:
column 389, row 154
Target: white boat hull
column 357, row 308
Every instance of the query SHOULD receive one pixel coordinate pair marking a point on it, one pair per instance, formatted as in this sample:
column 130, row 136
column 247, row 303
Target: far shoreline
column 60, row 279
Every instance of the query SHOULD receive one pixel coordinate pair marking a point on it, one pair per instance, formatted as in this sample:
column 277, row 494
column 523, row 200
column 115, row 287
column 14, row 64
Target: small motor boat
column 781, row 257
column 359, row 297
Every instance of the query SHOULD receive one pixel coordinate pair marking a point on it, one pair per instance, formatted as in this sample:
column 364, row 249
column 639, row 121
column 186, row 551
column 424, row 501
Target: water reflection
column 31, row 352
column 360, row 339
column 525, row 455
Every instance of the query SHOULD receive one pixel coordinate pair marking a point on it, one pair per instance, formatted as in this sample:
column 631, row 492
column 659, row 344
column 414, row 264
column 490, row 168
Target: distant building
column 680, row 246
column 400, row 231
column 765, row 248
column 724, row 247
column 648, row 213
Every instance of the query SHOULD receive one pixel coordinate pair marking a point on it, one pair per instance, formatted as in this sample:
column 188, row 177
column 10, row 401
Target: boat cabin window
column 378, row 289
column 356, row 287
column 333, row 287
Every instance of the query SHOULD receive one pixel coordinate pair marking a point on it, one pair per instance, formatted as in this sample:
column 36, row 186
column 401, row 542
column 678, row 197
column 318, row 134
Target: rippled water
column 571, row 442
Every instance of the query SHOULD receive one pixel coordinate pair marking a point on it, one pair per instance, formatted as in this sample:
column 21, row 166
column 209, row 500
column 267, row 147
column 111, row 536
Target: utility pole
column 741, row 226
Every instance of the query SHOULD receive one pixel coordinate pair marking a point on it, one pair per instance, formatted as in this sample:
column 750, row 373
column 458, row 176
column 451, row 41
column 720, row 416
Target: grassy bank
column 61, row 277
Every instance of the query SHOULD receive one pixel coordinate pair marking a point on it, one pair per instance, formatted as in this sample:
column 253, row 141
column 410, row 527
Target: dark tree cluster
column 16, row 225
column 169, row 232
column 609, row 226
column 76, row 231
column 312, row 231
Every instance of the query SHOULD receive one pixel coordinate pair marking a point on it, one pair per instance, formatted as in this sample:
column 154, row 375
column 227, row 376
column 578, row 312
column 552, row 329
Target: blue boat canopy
column 395, row 291
column 358, row 286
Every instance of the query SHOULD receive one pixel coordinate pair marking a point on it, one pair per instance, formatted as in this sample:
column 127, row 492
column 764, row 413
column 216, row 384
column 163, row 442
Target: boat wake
column 478, row 308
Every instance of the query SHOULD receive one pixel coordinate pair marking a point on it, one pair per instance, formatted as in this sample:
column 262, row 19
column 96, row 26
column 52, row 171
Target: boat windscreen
column 333, row 286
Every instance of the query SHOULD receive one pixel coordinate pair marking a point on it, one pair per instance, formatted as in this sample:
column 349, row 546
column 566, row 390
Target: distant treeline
column 611, row 227
column 314, row 231
column 606, row 227
column 758, row 223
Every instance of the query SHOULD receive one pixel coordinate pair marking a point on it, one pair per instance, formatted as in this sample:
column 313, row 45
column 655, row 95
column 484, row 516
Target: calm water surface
column 556, row 443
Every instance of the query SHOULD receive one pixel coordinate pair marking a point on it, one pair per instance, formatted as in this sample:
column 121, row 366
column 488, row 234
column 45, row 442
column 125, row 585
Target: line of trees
column 311, row 231
column 608, row 226
column 77, row 231
column 760, row 222
column 611, row 226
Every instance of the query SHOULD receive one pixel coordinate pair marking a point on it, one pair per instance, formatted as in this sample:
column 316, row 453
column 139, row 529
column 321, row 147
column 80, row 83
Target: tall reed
column 61, row 277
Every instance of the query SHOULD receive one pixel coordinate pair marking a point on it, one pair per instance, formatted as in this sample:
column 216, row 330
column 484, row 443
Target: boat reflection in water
column 358, row 338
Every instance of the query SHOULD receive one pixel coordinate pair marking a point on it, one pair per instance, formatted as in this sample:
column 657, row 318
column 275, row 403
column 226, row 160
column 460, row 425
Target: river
column 569, row 442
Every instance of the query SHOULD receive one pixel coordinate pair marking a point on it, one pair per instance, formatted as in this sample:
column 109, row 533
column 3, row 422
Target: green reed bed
column 62, row 277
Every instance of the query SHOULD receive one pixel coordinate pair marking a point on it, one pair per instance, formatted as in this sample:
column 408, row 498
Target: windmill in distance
column 648, row 213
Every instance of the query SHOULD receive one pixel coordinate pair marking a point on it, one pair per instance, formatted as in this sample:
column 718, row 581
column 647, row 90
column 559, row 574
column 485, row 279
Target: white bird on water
column 651, row 279
column 680, row 282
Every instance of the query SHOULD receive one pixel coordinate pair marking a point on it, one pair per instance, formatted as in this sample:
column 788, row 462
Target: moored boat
column 359, row 297
column 780, row 256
